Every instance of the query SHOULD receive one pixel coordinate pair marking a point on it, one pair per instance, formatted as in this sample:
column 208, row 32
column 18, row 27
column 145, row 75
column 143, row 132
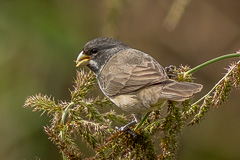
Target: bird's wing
column 129, row 71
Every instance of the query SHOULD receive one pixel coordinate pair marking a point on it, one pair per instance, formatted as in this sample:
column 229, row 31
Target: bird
column 133, row 80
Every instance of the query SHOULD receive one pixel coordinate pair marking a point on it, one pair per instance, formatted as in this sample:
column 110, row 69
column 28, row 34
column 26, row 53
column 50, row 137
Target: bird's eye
column 94, row 50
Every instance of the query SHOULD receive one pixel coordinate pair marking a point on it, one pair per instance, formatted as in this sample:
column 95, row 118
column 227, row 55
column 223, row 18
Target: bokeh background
column 39, row 41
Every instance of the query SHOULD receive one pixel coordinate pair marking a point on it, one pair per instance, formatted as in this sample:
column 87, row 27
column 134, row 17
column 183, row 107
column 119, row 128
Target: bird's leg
column 137, row 118
column 126, row 127
column 170, row 70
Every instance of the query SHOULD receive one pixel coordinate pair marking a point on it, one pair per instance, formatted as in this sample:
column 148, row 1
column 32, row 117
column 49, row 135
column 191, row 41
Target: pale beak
column 82, row 59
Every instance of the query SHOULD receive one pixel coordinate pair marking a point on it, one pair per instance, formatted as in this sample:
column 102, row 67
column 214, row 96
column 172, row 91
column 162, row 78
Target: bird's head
column 97, row 52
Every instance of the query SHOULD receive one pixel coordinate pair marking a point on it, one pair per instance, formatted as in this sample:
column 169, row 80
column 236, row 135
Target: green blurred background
column 39, row 41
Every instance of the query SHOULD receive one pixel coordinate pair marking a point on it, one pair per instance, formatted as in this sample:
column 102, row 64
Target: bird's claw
column 127, row 129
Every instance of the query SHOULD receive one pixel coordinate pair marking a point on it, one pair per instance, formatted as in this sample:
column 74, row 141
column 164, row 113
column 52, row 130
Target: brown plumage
column 132, row 79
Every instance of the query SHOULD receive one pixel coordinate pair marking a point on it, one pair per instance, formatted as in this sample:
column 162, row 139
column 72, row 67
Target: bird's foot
column 170, row 70
column 127, row 129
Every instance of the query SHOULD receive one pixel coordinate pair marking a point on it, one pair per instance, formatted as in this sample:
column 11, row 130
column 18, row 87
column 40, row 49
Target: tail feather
column 180, row 91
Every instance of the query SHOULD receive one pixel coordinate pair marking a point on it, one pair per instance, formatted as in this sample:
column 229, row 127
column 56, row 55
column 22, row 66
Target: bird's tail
column 180, row 91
